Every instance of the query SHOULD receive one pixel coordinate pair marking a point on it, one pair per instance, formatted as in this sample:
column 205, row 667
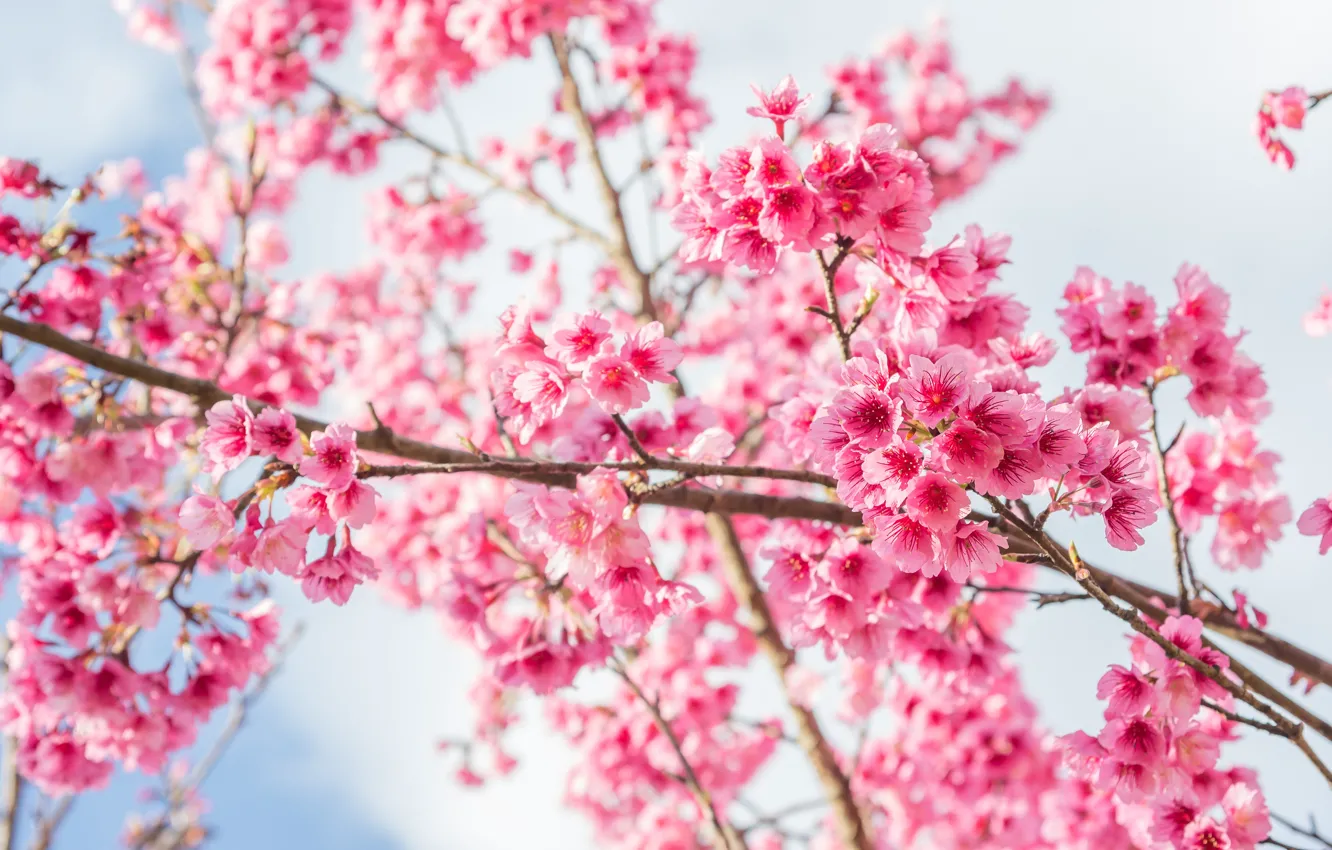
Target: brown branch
column 1071, row 565
column 833, row 312
column 621, row 248
column 1168, row 502
column 725, row 836
column 47, row 825
column 730, row 502
column 527, row 193
column 836, row 785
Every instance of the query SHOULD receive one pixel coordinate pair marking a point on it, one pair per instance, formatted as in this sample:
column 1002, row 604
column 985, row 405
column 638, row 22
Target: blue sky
column 1145, row 162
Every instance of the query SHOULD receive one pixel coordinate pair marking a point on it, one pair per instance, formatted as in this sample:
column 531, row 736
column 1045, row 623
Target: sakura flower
column 651, row 354
column 228, row 439
column 780, row 105
column 615, row 385
column 274, row 433
column 334, row 458
column 936, row 502
column 576, row 339
column 207, row 521
column 1316, row 521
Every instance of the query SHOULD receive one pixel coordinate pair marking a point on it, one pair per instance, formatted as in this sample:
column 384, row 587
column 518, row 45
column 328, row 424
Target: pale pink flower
column 614, row 384
column 1316, row 521
column 280, row 548
column 206, row 520
column 334, row 458
column 228, row 439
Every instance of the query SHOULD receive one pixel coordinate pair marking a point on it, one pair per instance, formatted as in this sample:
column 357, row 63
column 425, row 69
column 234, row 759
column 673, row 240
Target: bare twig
column 851, row 825
column 1168, row 502
column 725, row 836
column 621, row 249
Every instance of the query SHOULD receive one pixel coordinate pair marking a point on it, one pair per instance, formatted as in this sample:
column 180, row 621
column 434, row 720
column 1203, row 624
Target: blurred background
column 1145, row 162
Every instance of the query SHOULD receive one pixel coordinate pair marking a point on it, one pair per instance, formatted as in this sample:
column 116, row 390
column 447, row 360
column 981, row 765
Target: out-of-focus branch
column 621, row 249
column 851, row 825
column 48, row 824
column 527, row 193
column 725, row 836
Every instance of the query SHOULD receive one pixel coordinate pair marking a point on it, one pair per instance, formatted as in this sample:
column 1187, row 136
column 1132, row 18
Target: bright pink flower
column 936, row 502
column 1288, row 106
column 934, row 389
column 334, row 459
column 1128, row 691
column 1129, row 509
column 576, row 339
column 781, row 104
column 228, row 439
column 894, row 468
column 274, row 432
column 771, row 165
column 614, row 384
column 651, row 354
column 868, row 416
column 334, row 577
column 1205, row 834
column 968, row 452
column 971, row 549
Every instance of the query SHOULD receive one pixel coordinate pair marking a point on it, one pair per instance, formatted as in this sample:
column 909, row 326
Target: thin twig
column 1168, row 502
column 725, row 835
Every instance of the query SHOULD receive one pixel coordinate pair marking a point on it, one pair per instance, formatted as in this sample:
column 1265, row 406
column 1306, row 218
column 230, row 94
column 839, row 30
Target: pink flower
column 275, row 433
column 280, row 548
column 334, row 458
column 228, row 439
column 1318, row 321
column 1316, row 521
column 1128, row 691
column 651, row 354
column 355, row 504
column 207, row 521
column 614, row 384
column 577, row 339
column 933, row 390
column 971, row 549
column 936, row 502
column 1288, row 106
column 1129, row 509
column 781, row 104
column 894, row 468
column 334, row 577
column 1205, row 834
column 543, row 388
column 1247, row 819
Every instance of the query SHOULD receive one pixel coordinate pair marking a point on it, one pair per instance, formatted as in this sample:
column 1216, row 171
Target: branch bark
column 836, row 785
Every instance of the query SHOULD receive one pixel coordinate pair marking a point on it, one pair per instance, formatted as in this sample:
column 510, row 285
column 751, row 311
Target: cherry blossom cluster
column 332, row 505
column 1285, row 108
column 1228, row 476
column 1158, row 751
column 912, row 83
column 813, row 429
column 1130, row 344
column 759, row 202
column 615, row 370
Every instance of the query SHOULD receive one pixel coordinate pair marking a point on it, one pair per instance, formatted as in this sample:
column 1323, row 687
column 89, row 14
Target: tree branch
column 1168, row 502
column 836, row 785
column 725, row 835
column 620, row 248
